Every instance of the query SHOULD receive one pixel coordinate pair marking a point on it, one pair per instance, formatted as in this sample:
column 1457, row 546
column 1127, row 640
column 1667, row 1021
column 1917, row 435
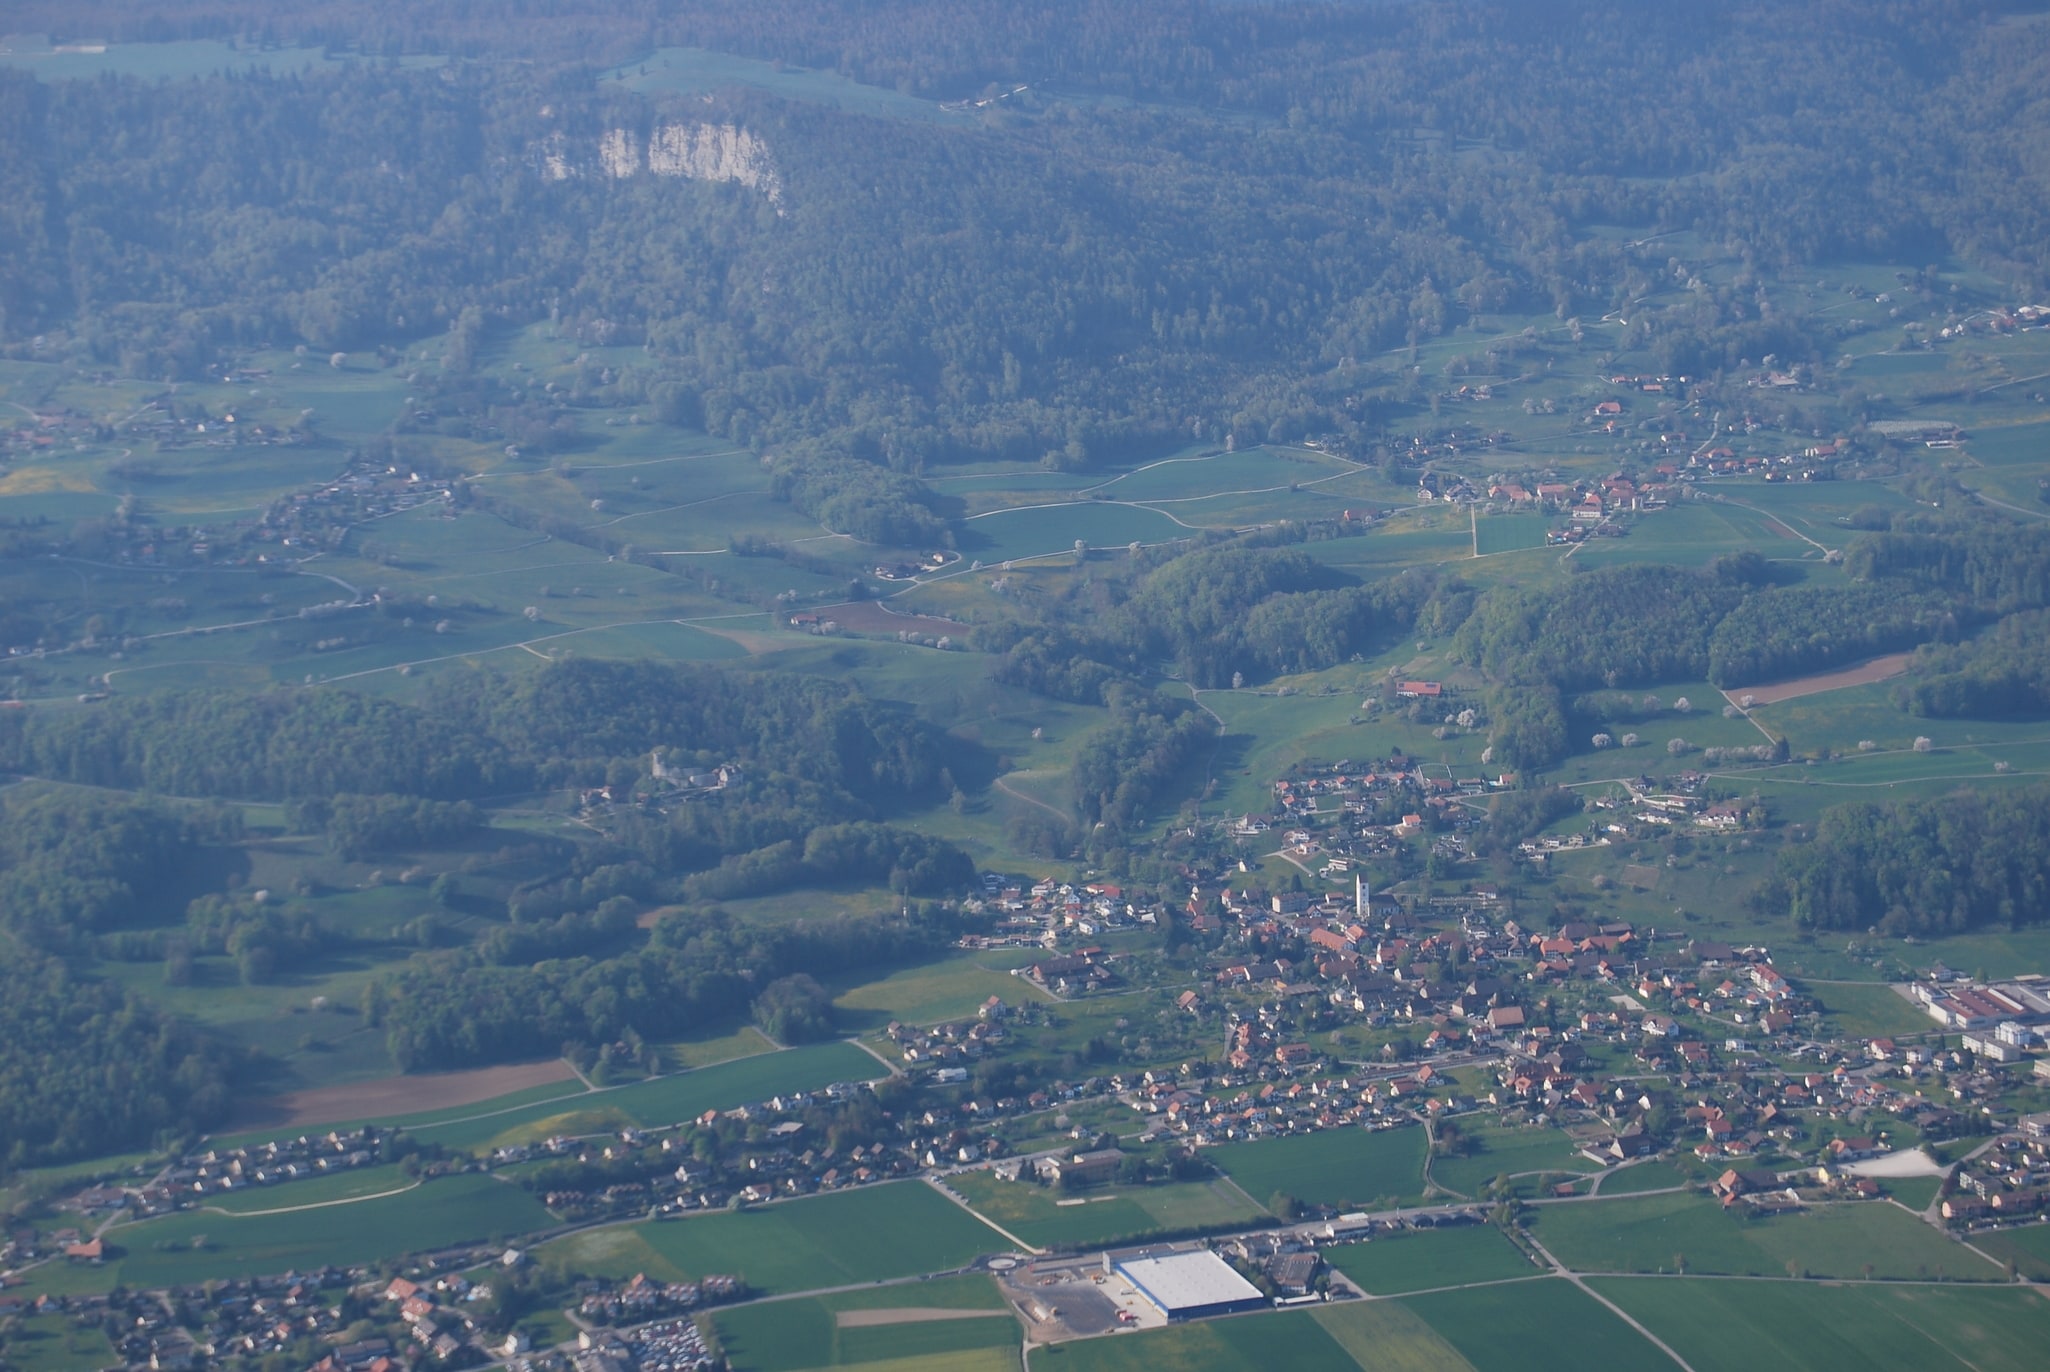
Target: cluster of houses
column 1047, row 911
column 216, row 1170
column 639, row 1299
column 432, row 1311
column 944, row 1046
column 184, row 1329
column 48, row 432
column 1336, row 815
column 2011, row 1178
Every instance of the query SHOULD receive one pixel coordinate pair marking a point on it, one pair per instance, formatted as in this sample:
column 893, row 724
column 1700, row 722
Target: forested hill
column 1197, row 219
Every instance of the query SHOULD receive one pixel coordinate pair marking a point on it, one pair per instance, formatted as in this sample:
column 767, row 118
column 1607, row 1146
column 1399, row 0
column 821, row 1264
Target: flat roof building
column 1189, row 1286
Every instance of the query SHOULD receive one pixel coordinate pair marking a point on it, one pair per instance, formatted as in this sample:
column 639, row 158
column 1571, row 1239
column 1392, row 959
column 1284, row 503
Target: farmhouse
column 1188, row 1286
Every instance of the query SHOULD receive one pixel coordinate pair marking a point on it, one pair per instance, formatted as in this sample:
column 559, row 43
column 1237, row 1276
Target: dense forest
column 1237, row 610
column 1789, row 631
column 573, row 723
column 2004, row 674
column 455, row 1010
column 88, row 1069
column 1731, row 624
column 72, row 865
column 1966, row 861
column 1064, row 292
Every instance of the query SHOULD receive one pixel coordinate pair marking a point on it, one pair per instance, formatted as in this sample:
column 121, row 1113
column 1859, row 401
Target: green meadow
column 1736, row 1326
column 1426, row 1259
column 205, row 1244
column 1346, row 1168
column 1672, row 1233
column 873, row 1233
column 788, row 1335
column 1047, row 1218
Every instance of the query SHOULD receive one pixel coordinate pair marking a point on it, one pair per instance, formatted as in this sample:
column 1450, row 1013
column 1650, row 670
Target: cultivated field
column 1864, row 674
column 1536, row 1326
column 397, row 1097
column 949, row 1316
column 665, row 1100
column 1296, row 1341
column 1670, row 1232
column 1741, row 1326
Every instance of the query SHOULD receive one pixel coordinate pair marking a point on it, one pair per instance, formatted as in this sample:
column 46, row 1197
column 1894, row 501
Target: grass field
column 351, row 1185
column 1660, row 1233
column 1645, row 1176
column 1741, row 1326
column 1041, row 530
column 1536, row 1326
column 199, row 1245
column 1508, row 533
column 666, row 1100
column 1347, row 1168
column 1869, row 1011
column 1427, row 1259
column 1295, row 1340
column 1112, row 1214
column 712, row 1048
column 785, row 1336
column 1509, row 1151
column 951, row 988
column 52, row 1343
column 871, row 1234
column 2028, row 1248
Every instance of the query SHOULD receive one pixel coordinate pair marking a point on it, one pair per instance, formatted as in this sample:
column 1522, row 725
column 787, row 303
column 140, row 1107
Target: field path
column 1773, row 519
column 1985, row 499
column 1618, row 1311
column 315, row 1205
column 1023, row 1247
column 1004, row 786
column 895, row 1070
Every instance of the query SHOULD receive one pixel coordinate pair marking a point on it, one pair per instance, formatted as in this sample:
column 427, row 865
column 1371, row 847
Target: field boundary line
column 892, row 1067
column 1618, row 1311
column 944, row 1190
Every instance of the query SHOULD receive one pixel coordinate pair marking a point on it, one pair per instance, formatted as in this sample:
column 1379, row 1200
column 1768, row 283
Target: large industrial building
column 1189, row 1286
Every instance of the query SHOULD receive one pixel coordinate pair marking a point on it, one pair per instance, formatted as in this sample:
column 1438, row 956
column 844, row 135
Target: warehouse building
column 1189, row 1286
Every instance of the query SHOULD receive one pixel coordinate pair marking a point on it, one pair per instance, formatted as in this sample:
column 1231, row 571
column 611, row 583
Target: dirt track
column 392, row 1096
column 1864, row 674
column 868, row 617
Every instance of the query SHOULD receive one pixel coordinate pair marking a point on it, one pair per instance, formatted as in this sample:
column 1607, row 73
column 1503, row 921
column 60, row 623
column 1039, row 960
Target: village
column 1634, row 1047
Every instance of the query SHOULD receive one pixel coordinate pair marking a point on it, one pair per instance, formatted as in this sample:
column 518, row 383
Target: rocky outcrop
column 696, row 152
